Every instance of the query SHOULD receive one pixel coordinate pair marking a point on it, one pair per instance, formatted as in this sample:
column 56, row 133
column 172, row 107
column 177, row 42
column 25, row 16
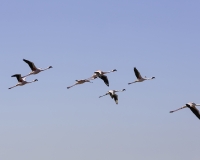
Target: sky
column 46, row 121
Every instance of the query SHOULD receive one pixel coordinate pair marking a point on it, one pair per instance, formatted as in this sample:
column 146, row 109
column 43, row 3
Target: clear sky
column 46, row 121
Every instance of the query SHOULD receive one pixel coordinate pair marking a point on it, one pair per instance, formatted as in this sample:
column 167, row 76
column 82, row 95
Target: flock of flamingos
column 97, row 74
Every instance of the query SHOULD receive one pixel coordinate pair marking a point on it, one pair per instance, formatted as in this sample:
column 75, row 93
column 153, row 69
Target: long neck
column 178, row 109
column 32, row 81
column 44, row 69
column 108, row 72
column 148, row 78
column 120, row 90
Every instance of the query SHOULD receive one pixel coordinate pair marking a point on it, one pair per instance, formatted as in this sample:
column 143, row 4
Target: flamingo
column 113, row 95
column 34, row 69
column 101, row 74
column 139, row 77
column 192, row 107
column 79, row 82
column 21, row 81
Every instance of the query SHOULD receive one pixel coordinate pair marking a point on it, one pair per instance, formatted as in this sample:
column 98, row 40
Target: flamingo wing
column 31, row 64
column 115, row 96
column 18, row 76
column 195, row 111
column 105, row 79
column 137, row 73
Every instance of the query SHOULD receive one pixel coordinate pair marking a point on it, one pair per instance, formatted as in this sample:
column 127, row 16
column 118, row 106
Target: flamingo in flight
column 192, row 107
column 21, row 81
column 113, row 95
column 101, row 74
column 34, row 69
column 79, row 82
column 139, row 77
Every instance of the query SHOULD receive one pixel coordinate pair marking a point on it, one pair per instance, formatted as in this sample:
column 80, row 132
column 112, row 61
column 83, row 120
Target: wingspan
column 111, row 95
column 105, row 79
column 137, row 73
column 31, row 64
column 18, row 76
column 195, row 111
column 115, row 96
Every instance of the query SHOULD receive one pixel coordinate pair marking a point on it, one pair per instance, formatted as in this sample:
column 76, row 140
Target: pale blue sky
column 45, row 121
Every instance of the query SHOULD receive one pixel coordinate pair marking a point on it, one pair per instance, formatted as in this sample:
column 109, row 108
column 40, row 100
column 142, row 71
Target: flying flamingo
column 79, row 82
column 34, row 69
column 139, row 77
column 113, row 95
column 21, row 81
column 192, row 108
column 101, row 74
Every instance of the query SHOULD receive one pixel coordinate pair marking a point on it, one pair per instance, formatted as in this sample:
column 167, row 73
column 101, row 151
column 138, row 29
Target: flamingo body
column 139, row 77
column 192, row 107
column 34, row 69
column 100, row 74
column 21, row 81
column 81, row 81
column 113, row 94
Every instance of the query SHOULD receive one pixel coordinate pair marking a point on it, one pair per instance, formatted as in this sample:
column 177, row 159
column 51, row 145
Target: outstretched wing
column 18, row 76
column 31, row 64
column 195, row 111
column 115, row 96
column 137, row 73
column 110, row 94
column 105, row 79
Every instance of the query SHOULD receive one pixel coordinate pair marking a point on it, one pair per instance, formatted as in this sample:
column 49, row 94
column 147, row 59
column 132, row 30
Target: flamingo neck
column 107, row 72
column 44, row 69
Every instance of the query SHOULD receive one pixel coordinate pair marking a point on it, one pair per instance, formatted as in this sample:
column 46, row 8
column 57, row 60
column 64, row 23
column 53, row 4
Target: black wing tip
column 15, row 75
column 27, row 61
column 105, row 79
column 135, row 69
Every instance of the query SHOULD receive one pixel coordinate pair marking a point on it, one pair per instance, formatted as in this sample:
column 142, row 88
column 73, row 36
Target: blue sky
column 45, row 121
